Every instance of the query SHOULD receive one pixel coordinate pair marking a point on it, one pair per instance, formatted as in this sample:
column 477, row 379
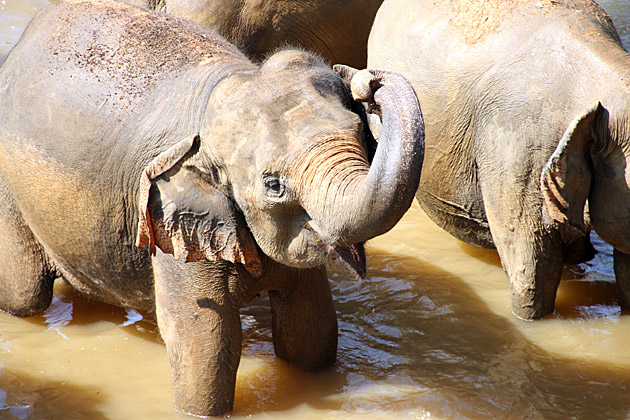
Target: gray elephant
column 148, row 163
column 526, row 110
column 337, row 30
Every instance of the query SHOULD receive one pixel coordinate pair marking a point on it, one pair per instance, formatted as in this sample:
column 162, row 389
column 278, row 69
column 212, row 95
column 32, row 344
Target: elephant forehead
column 290, row 59
column 287, row 118
column 297, row 96
column 298, row 111
column 278, row 78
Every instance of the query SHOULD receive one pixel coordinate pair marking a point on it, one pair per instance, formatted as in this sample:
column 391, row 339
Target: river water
column 428, row 335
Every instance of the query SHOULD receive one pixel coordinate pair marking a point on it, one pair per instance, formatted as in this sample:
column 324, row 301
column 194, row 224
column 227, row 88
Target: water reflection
column 463, row 359
column 58, row 314
column 416, row 341
column 19, row 411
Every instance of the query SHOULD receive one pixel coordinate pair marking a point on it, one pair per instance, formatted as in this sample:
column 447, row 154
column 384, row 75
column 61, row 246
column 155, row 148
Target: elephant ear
column 185, row 215
column 566, row 179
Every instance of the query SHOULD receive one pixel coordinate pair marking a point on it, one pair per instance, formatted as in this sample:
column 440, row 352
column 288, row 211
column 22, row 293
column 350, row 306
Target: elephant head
column 282, row 165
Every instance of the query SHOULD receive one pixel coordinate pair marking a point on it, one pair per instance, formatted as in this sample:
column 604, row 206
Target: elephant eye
column 274, row 187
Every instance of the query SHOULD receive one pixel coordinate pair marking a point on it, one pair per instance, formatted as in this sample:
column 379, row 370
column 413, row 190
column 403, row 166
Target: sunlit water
column 429, row 335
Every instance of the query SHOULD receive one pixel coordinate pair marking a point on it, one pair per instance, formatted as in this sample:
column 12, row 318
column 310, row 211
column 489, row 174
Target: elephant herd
column 181, row 156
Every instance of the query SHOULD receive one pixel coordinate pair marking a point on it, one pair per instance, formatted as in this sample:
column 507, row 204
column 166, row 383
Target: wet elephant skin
column 148, row 163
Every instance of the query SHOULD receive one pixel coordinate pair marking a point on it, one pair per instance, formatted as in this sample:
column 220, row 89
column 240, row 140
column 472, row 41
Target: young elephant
column 120, row 127
column 526, row 108
column 337, row 30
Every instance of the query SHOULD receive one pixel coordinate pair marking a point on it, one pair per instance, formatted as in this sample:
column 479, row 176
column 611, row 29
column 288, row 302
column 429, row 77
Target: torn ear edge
column 220, row 236
column 566, row 178
column 159, row 165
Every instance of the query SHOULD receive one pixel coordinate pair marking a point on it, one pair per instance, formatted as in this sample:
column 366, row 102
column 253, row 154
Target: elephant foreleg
column 304, row 321
column 199, row 321
column 534, row 269
column 532, row 257
column 622, row 275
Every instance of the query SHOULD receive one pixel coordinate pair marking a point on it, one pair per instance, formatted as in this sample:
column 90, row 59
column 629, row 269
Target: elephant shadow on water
column 464, row 360
column 412, row 337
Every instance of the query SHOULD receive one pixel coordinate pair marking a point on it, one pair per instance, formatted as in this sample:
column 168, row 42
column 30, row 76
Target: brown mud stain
column 129, row 49
column 475, row 20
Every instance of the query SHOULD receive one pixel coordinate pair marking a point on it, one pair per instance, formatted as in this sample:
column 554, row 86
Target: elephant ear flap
column 566, row 178
column 160, row 164
column 183, row 214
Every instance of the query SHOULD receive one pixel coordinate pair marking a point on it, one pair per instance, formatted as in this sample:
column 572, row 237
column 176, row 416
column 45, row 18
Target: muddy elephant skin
column 151, row 165
column 526, row 109
column 336, row 30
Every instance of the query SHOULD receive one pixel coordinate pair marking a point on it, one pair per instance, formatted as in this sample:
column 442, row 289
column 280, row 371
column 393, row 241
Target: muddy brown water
column 428, row 335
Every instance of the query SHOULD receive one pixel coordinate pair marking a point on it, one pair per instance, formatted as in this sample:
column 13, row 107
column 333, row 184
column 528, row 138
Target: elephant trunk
column 358, row 201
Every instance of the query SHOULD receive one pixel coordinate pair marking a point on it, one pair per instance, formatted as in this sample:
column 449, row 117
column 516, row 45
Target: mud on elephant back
column 151, row 165
column 526, row 106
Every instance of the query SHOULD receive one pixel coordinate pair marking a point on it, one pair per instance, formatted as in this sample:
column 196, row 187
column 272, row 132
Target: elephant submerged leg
column 534, row 267
column 532, row 260
column 198, row 317
column 622, row 275
column 531, row 253
column 26, row 277
column 304, row 322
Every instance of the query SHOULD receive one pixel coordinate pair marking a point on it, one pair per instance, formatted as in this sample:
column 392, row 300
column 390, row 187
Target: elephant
column 150, row 164
column 527, row 146
column 337, row 30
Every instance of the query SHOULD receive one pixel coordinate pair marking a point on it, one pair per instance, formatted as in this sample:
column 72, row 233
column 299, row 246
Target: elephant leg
column 199, row 320
column 622, row 275
column 533, row 264
column 26, row 277
column 304, row 322
column 531, row 254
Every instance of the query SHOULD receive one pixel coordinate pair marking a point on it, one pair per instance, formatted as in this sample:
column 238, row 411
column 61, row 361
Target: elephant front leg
column 200, row 324
column 622, row 275
column 531, row 253
column 304, row 321
column 533, row 263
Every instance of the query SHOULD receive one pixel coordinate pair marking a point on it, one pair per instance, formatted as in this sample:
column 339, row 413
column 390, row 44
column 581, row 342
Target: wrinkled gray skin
column 337, row 30
column 526, row 110
column 125, row 134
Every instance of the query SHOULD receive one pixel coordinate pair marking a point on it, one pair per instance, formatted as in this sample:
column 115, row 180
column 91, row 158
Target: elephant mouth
column 353, row 257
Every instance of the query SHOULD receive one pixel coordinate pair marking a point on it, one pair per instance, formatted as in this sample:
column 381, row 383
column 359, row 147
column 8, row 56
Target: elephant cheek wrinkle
column 329, row 167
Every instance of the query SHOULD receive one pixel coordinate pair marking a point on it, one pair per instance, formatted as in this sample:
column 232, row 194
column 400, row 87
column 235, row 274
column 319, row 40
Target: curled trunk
column 350, row 200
